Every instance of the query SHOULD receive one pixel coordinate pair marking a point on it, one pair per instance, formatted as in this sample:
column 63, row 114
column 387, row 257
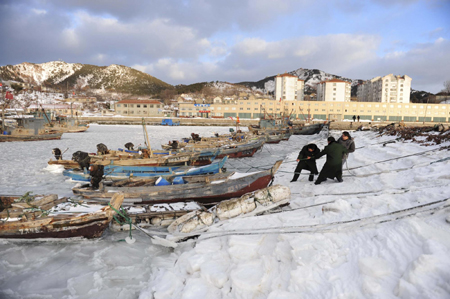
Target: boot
column 311, row 178
column 294, row 179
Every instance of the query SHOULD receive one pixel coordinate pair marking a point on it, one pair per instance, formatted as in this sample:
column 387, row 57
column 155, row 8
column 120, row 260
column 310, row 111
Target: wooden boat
column 206, row 190
column 123, row 172
column 134, row 158
column 231, row 148
column 90, row 225
column 247, row 149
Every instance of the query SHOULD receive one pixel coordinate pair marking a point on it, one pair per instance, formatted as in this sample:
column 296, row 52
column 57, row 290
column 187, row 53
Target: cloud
column 199, row 40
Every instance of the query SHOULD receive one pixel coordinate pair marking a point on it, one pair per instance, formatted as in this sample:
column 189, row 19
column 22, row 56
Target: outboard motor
column 129, row 146
column 195, row 137
column 96, row 172
column 174, row 144
column 102, row 149
column 82, row 158
column 57, row 153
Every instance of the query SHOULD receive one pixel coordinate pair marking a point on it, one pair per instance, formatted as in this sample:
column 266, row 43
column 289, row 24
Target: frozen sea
column 335, row 240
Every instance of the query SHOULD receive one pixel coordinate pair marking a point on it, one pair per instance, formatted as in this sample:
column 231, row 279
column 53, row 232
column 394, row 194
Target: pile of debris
column 426, row 136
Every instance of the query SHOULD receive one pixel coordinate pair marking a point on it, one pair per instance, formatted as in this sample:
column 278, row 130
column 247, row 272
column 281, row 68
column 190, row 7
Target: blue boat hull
column 121, row 172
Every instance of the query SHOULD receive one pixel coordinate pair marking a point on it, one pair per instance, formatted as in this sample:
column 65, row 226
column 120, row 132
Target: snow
column 335, row 240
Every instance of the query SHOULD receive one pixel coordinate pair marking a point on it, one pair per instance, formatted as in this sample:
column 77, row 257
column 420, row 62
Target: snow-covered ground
column 335, row 240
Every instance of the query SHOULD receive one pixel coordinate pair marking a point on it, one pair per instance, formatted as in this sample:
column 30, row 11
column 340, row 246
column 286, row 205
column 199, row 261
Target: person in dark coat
column 354, row 118
column 333, row 166
column 358, row 118
column 306, row 160
column 347, row 141
column 96, row 172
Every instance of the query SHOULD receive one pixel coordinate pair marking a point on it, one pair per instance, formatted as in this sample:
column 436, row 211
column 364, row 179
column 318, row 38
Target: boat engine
column 195, row 137
column 102, row 149
column 57, row 153
column 82, row 158
column 129, row 146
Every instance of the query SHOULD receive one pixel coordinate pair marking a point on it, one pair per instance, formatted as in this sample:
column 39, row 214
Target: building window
column 118, row 105
column 138, row 106
column 125, row 105
column 151, row 106
column 241, row 108
column 248, row 108
column 145, row 106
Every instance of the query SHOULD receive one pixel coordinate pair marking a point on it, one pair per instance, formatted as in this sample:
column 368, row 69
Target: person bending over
column 307, row 160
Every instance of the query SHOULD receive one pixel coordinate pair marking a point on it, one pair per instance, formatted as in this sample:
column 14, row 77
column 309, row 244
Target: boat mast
column 147, row 142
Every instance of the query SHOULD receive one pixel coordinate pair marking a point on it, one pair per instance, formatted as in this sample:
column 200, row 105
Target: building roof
column 334, row 81
column 139, row 102
column 286, row 75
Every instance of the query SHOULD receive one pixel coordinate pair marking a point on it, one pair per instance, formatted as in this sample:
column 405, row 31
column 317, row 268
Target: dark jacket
column 305, row 163
column 333, row 166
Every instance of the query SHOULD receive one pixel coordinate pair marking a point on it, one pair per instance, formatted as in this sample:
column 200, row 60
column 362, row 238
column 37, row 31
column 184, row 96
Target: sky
column 189, row 41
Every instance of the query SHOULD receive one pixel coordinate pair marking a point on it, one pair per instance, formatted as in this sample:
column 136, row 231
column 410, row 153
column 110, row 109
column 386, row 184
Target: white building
column 387, row 89
column 334, row 90
column 289, row 87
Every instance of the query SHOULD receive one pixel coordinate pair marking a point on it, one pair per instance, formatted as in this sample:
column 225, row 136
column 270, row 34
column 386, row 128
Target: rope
column 416, row 154
column 124, row 216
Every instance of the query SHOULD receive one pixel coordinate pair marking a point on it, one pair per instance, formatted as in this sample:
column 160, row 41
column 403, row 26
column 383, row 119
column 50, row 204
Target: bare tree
column 447, row 87
column 6, row 100
column 167, row 95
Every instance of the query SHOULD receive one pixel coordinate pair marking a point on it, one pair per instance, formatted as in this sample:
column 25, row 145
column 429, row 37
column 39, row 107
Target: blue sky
column 183, row 42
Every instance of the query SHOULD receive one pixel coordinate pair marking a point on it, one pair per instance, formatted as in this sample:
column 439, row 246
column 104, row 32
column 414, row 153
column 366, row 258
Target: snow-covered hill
column 58, row 73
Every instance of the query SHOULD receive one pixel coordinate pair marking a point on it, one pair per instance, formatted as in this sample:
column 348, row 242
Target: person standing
column 307, row 160
column 333, row 166
column 354, row 118
column 358, row 118
column 347, row 141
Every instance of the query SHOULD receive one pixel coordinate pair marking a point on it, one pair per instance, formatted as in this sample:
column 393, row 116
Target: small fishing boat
column 204, row 189
column 123, row 172
column 308, row 129
column 36, row 223
column 28, row 129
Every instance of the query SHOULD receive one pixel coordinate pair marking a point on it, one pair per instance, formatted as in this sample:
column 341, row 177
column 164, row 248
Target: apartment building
column 320, row 110
column 141, row 108
column 387, row 89
column 289, row 88
column 334, row 90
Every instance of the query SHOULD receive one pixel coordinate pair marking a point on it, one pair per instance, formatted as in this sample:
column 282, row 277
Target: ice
column 406, row 257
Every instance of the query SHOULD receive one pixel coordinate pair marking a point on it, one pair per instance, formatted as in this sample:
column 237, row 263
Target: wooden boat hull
column 204, row 193
column 247, row 150
column 88, row 231
column 308, row 130
column 91, row 225
column 10, row 138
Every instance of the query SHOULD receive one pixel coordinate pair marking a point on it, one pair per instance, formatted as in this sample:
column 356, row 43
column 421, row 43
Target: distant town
column 385, row 98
